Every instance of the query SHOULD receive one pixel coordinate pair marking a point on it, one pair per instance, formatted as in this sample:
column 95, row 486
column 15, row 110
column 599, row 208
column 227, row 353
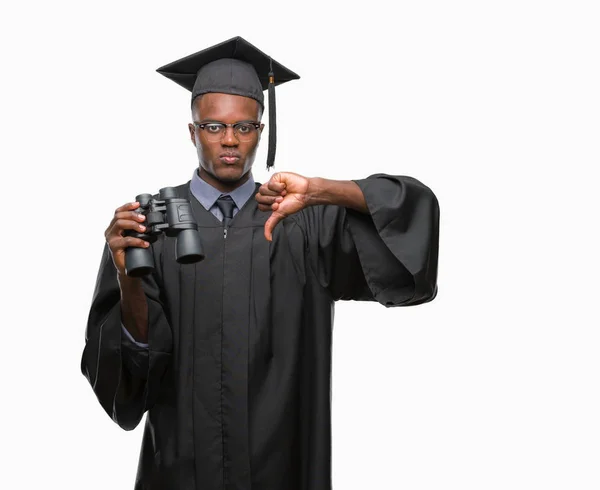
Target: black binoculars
column 173, row 216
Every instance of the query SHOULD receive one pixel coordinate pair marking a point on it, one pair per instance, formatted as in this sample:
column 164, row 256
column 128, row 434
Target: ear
column 192, row 130
column 262, row 126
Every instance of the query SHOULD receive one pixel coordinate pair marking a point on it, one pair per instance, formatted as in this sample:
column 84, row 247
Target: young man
column 230, row 357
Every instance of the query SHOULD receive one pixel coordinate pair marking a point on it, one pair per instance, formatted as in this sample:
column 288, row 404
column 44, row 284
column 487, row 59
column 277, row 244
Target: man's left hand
column 286, row 193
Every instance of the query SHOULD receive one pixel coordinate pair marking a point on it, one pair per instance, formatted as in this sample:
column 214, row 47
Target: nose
column 229, row 138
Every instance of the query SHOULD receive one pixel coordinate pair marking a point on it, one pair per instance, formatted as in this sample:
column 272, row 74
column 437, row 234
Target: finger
column 265, row 191
column 268, row 199
column 124, row 212
column 271, row 223
column 128, row 224
column 125, row 224
column 263, row 207
column 121, row 243
column 131, row 215
column 127, row 207
column 276, row 186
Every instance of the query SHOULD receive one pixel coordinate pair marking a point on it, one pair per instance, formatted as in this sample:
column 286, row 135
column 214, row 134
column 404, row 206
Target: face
column 229, row 159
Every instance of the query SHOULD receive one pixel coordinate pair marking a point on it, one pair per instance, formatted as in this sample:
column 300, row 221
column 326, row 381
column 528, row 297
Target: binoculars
column 173, row 216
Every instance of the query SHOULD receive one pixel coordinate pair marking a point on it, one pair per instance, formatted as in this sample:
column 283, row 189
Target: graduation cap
column 233, row 67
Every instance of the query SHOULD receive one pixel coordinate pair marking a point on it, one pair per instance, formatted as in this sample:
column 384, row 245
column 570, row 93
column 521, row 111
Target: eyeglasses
column 244, row 130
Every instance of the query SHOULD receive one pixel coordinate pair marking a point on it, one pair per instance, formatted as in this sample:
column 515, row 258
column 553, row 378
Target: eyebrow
column 208, row 121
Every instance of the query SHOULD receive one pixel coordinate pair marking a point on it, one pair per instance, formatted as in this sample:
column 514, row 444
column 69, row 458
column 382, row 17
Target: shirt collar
column 207, row 195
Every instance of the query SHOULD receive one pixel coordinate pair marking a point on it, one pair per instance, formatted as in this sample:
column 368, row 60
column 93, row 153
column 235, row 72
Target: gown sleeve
column 389, row 255
column 125, row 376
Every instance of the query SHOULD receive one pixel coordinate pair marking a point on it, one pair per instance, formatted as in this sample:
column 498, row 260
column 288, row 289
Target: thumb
column 271, row 223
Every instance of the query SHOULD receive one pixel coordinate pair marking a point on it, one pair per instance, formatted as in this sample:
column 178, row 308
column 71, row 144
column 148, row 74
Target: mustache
column 231, row 154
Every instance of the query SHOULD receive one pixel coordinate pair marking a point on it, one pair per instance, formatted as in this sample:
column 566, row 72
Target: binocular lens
column 189, row 247
column 138, row 262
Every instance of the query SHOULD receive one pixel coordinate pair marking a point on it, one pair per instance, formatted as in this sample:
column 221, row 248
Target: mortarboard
column 233, row 67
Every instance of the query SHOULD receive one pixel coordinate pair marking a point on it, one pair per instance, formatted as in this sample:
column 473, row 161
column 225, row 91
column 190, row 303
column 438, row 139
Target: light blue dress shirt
column 207, row 195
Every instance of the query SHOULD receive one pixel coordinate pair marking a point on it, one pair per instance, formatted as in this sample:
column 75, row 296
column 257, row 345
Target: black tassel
column 272, row 121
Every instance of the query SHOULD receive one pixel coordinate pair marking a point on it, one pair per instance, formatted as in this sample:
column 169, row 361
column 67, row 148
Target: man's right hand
column 125, row 218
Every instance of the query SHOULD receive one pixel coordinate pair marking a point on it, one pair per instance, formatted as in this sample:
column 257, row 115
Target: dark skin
column 284, row 194
column 227, row 109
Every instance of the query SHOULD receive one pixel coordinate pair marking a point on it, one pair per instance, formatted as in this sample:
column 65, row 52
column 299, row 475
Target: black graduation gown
column 236, row 380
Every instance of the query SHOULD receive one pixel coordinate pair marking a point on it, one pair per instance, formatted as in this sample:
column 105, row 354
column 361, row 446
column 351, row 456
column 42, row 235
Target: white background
column 494, row 105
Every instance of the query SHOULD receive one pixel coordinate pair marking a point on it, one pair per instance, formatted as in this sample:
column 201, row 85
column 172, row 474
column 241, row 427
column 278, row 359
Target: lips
column 229, row 157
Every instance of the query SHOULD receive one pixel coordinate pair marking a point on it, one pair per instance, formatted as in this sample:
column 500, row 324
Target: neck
column 224, row 187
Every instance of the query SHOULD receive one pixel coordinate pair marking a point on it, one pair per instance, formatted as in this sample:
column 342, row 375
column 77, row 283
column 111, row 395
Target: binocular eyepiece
column 169, row 214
